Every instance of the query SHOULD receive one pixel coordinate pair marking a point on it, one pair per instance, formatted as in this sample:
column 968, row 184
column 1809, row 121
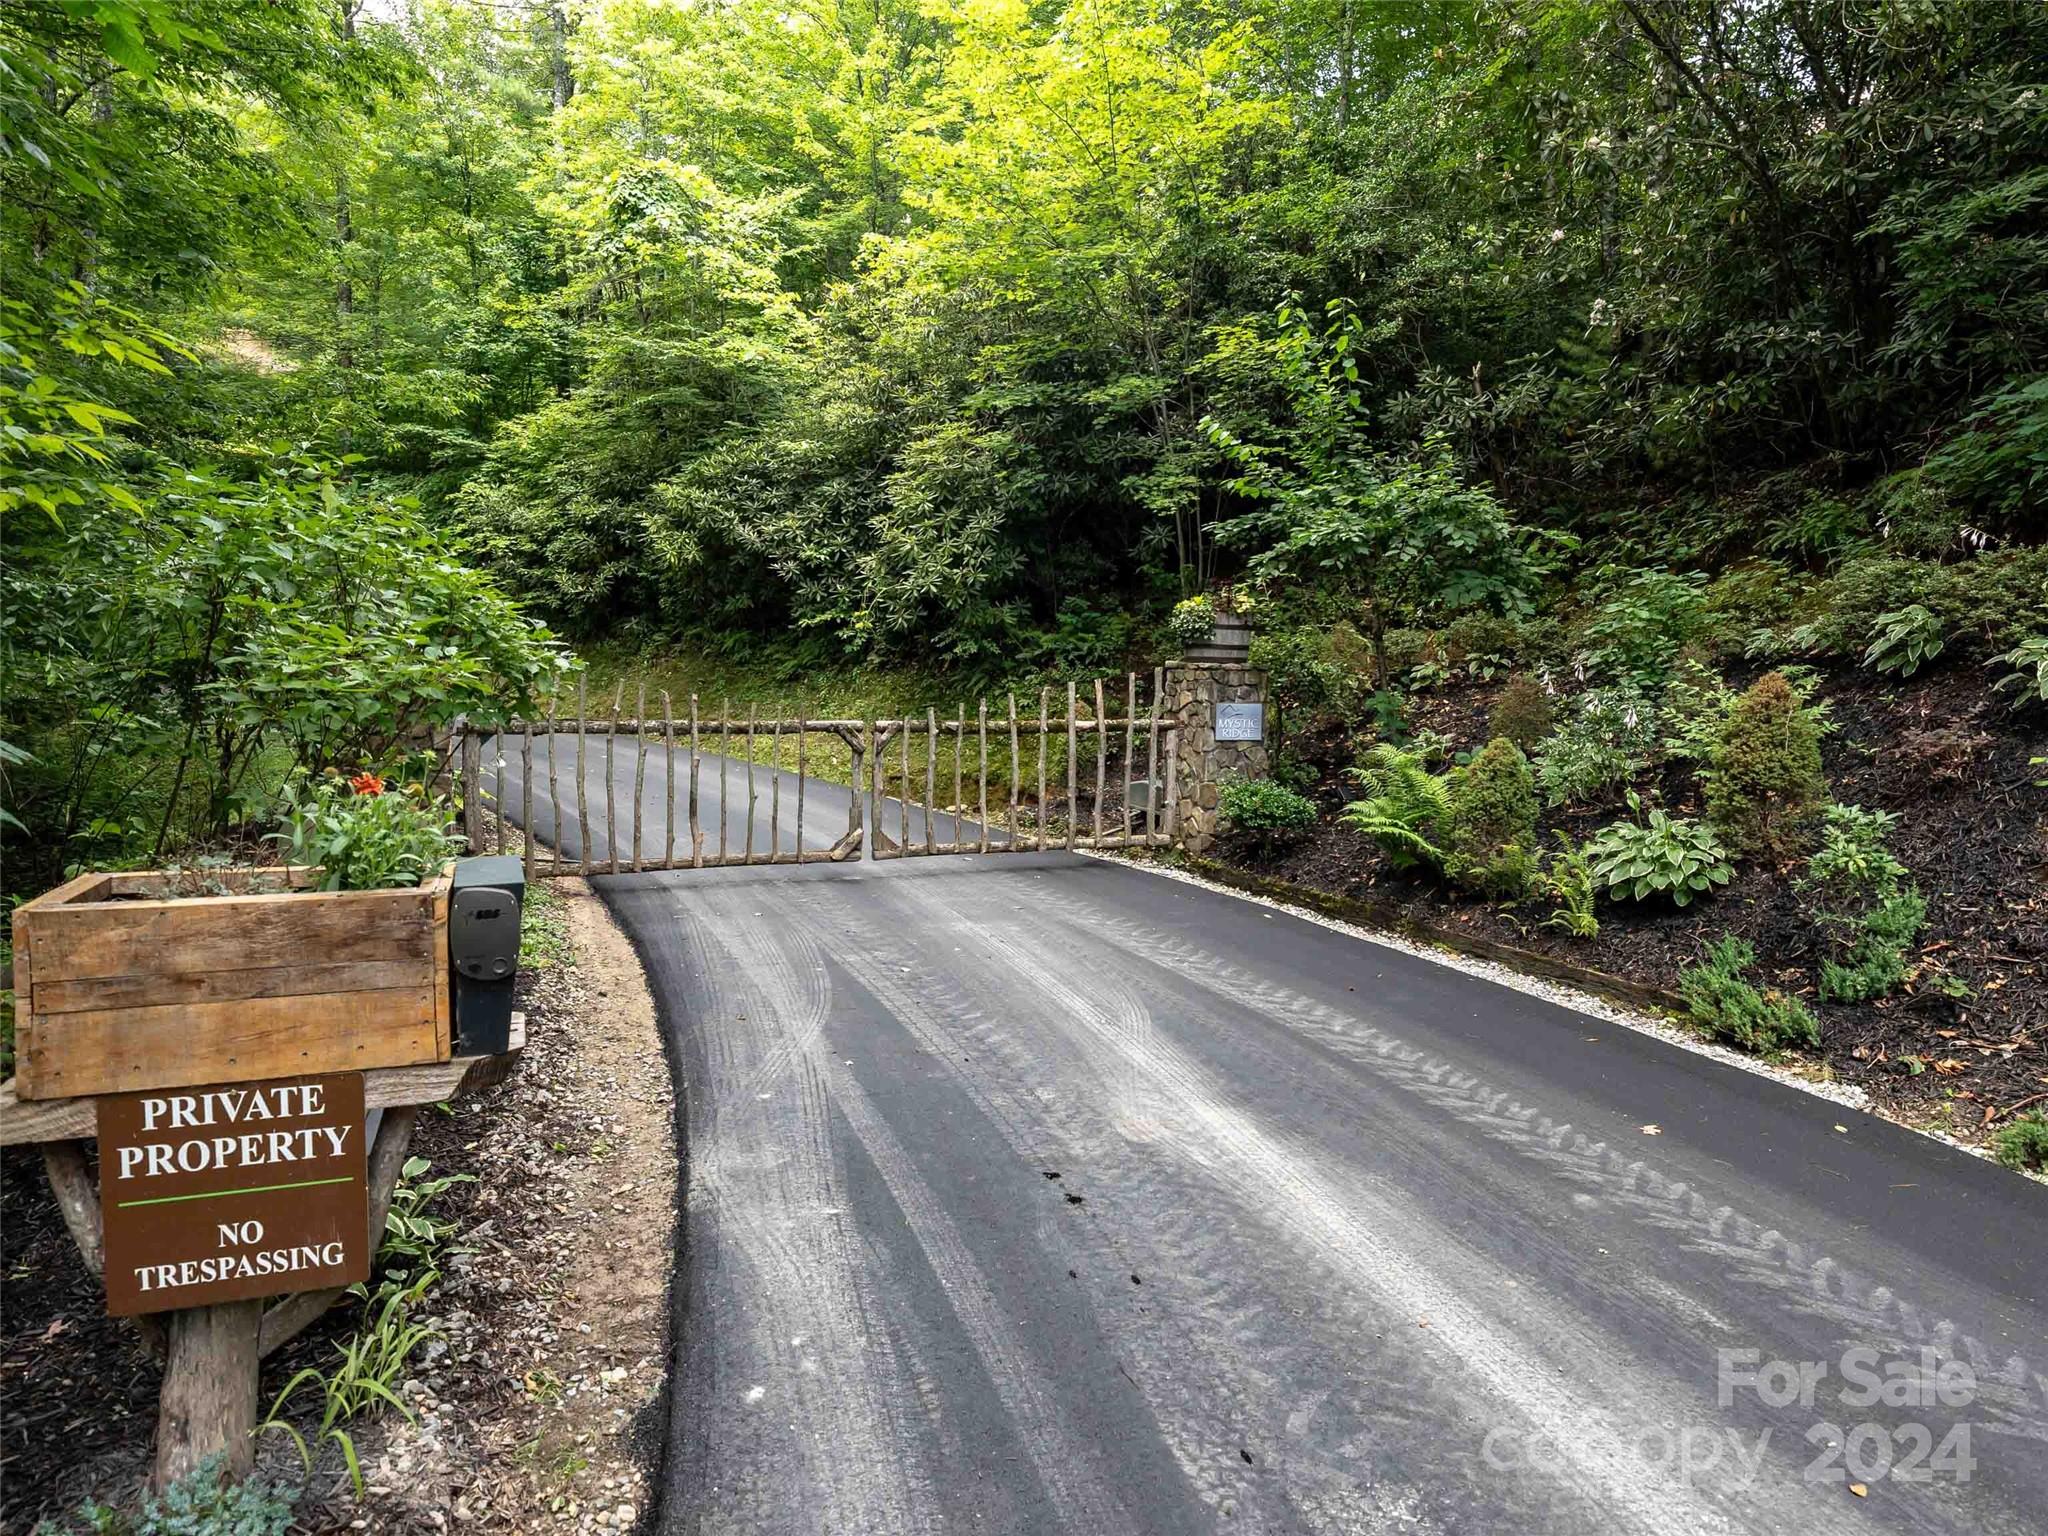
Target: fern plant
column 1568, row 881
column 1404, row 807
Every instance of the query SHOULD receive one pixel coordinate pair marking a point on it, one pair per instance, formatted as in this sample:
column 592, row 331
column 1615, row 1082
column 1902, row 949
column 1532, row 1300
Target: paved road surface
column 1042, row 1194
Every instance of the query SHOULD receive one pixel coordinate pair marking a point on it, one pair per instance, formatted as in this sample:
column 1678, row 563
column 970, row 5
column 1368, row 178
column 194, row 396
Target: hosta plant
column 1905, row 640
column 2026, row 676
column 1660, row 855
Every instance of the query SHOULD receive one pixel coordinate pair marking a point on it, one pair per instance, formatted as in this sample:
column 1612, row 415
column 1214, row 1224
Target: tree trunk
column 558, row 56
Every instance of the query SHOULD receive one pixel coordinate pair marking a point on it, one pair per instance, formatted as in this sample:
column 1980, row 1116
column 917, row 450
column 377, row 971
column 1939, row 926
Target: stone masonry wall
column 1193, row 690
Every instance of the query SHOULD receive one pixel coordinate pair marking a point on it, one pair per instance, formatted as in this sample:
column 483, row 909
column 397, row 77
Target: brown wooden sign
column 233, row 1190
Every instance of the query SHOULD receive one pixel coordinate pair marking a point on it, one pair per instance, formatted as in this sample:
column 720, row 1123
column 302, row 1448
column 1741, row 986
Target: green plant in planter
column 364, row 834
column 1725, row 1003
column 1193, row 620
column 1662, row 855
column 1265, row 813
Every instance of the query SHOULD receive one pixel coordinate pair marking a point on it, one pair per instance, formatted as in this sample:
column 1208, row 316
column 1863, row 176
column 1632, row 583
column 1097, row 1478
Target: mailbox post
column 484, row 909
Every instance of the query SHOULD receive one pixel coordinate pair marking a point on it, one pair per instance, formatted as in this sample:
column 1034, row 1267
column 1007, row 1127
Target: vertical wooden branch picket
column 775, row 789
column 1152, row 757
column 1044, row 744
column 472, row 755
column 1073, row 770
column 639, row 763
column 1101, row 759
column 724, row 757
column 582, row 781
column 981, row 805
column 498, row 789
column 554, row 789
column 526, row 857
column 696, row 826
column 1130, row 753
column 668, row 780
column 748, row 852
column 931, row 779
column 1016, row 769
column 611, row 815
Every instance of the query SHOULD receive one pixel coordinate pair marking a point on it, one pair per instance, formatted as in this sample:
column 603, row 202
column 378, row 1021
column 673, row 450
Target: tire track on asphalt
column 784, row 964
column 1346, row 1230
column 2012, row 1390
column 764, row 1179
column 1156, row 1215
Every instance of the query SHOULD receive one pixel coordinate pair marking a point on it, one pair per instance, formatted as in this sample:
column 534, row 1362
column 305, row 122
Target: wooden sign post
column 212, row 1350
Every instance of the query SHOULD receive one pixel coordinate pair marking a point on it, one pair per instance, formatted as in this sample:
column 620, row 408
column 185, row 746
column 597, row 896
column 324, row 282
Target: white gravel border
column 1847, row 1095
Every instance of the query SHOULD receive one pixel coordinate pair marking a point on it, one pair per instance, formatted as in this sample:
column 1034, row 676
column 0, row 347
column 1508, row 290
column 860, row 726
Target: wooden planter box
column 1230, row 640
column 116, row 991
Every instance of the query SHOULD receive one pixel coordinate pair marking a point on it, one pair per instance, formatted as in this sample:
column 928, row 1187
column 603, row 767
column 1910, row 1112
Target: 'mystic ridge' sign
column 232, row 1191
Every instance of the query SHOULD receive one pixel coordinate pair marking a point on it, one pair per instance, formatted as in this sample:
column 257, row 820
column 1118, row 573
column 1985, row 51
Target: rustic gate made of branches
column 619, row 792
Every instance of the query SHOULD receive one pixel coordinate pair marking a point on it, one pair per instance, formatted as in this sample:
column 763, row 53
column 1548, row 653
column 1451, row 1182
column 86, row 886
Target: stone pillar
column 1193, row 690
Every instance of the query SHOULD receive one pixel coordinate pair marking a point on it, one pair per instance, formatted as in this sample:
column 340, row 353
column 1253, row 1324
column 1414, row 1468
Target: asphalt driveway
column 1043, row 1193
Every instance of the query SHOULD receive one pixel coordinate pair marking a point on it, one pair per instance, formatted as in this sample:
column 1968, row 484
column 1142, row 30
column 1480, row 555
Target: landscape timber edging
column 1369, row 914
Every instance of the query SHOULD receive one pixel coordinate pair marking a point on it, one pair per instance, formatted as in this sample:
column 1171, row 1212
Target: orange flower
column 366, row 783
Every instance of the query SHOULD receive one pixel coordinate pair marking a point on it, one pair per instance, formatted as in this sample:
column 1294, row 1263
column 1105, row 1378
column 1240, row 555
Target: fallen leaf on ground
column 1653, row 1130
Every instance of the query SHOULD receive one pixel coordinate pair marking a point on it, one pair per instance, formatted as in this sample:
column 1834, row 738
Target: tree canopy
column 980, row 331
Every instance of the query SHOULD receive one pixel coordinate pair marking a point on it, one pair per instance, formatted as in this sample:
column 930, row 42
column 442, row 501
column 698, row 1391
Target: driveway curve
column 1037, row 1193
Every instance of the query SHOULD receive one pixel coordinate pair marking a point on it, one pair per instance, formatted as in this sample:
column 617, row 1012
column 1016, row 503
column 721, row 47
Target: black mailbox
column 483, row 950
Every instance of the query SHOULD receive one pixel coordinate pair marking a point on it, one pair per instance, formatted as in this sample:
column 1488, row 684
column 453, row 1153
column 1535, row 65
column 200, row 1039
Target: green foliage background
column 973, row 334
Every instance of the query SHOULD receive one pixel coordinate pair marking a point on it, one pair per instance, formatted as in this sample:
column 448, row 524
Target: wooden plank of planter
column 25, row 1121
column 117, row 994
column 188, row 1044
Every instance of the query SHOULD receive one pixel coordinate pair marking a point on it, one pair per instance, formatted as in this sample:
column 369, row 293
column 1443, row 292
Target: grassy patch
column 544, row 929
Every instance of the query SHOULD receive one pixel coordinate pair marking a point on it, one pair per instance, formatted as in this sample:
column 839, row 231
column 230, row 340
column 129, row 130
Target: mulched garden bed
column 1942, row 751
